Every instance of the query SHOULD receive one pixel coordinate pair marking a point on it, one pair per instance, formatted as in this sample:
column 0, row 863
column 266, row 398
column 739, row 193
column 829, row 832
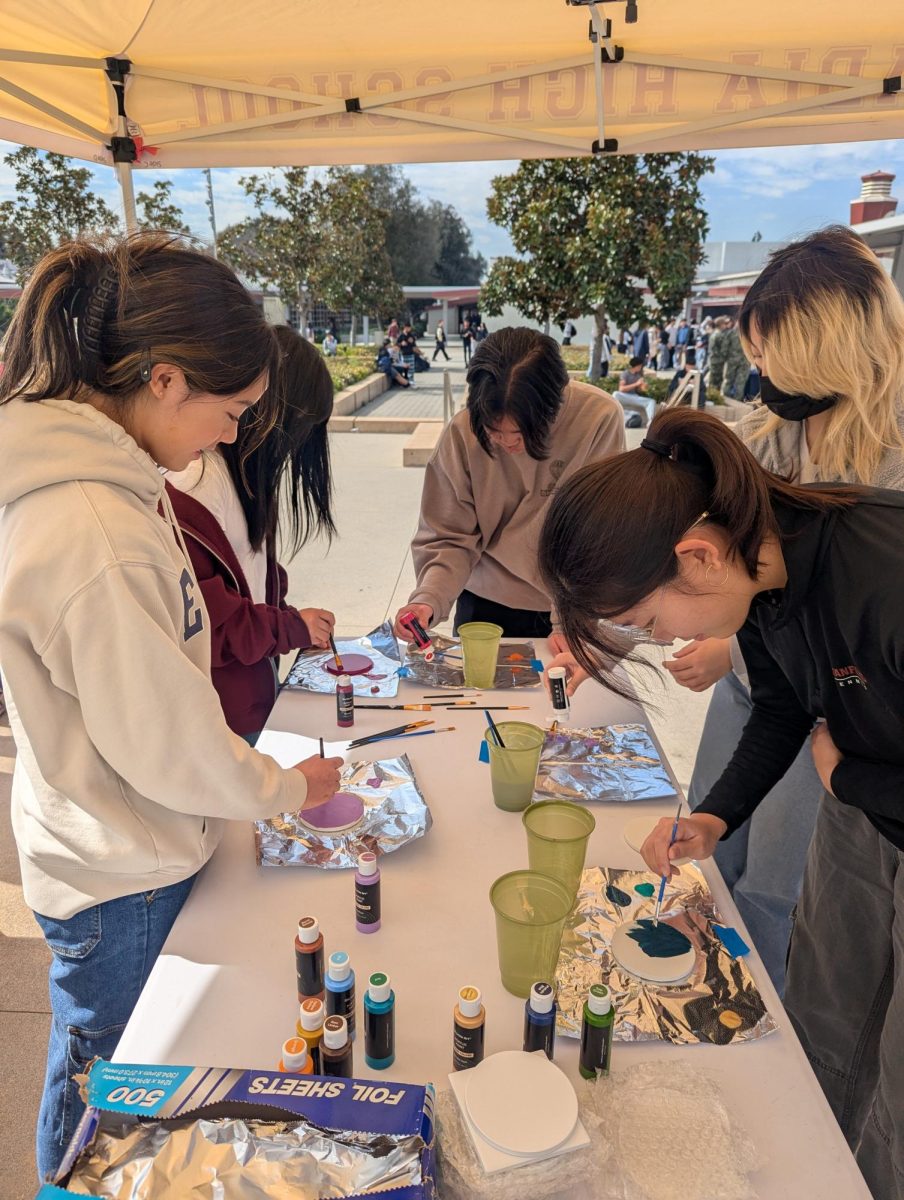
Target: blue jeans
column 102, row 958
column 762, row 862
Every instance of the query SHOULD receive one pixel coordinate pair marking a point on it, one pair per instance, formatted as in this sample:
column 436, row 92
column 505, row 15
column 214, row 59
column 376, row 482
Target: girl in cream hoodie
column 121, row 361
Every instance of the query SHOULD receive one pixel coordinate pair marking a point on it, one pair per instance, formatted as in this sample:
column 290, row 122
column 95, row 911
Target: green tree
column 315, row 239
column 593, row 234
column 53, row 203
column 158, row 211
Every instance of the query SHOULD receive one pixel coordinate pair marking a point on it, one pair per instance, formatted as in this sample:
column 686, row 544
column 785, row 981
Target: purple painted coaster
column 341, row 811
column 352, row 664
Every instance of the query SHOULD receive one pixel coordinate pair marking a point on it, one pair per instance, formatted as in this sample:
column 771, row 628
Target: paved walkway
column 425, row 399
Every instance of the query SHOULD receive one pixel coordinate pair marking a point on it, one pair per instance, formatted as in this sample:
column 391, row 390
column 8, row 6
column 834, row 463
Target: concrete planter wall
column 350, row 399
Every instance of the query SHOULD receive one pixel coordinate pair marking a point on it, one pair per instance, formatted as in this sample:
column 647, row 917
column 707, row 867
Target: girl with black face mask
column 825, row 326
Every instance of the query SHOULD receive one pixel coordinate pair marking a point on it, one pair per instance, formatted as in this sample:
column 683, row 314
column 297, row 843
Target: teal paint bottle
column 379, row 1023
column 597, row 1027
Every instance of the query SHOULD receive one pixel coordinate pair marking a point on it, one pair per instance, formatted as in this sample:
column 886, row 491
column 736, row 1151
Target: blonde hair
column 831, row 323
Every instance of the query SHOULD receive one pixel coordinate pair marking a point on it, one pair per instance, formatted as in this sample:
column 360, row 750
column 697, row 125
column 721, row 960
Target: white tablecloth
column 223, row 991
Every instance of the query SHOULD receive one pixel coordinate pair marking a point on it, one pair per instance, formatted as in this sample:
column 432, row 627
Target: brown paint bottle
column 336, row 1048
column 309, row 959
column 469, row 1027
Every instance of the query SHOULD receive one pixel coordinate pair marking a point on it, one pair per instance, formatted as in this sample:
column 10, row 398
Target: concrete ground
column 364, row 577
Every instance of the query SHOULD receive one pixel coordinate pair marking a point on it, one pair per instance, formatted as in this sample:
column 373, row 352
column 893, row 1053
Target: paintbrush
column 452, row 695
column 336, row 658
column 406, row 707
column 491, row 708
column 425, row 732
column 664, row 879
column 497, row 737
column 394, row 732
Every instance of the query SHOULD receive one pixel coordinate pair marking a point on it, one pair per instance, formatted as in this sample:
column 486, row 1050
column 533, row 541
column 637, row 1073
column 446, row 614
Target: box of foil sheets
column 157, row 1132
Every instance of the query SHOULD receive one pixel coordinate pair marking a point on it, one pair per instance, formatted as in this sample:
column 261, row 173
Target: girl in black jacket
column 688, row 537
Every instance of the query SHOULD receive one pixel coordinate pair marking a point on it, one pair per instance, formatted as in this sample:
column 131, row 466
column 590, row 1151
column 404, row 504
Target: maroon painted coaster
column 341, row 811
column 352, row 664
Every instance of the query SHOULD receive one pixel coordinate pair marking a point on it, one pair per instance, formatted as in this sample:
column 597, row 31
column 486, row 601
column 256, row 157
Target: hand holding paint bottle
column 322, row 775
column 419, row 633
column 422, row 612
column 574, row 675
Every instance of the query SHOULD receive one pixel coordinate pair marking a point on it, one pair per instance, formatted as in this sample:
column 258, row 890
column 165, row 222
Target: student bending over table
column 688, row 537
column 525, row 430
column 228, row 503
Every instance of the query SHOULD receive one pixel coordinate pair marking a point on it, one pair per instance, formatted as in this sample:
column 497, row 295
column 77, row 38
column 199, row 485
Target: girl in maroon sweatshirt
column 228, row 507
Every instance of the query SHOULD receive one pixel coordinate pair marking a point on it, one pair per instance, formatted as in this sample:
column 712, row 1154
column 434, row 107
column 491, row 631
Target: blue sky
column 780, row 191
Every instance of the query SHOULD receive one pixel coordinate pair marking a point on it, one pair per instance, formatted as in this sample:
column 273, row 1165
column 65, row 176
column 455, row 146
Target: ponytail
column 609, row 538
column 97, row 314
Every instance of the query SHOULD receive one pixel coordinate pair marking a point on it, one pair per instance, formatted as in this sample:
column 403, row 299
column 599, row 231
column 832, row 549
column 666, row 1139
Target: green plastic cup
column 557, row 834
column 530, row 916
column 513, row 770
column 480, row 651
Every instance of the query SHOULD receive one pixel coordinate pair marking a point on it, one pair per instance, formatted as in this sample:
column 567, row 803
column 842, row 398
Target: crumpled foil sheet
column 638, row 1121
column 395, row 813
column 718, row 1003
column 233, row 1159
column 309, row 671
column 618, row 762
column 513, row 668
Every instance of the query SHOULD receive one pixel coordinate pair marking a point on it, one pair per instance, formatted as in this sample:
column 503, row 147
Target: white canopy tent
column 189, row 83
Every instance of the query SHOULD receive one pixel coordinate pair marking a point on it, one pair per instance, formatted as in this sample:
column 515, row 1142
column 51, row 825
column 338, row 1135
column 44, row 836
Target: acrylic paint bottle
column 296, row 1057
column 420, row 635
column 367, row 893
column 336, row 1051
column 540, row 1020
column 558, row 683
column 597, row 1027
column 469, row 1027
column 345, row 702
column 379, row 1023
column 340, row 989
column 309, row 959
column 309, row 1026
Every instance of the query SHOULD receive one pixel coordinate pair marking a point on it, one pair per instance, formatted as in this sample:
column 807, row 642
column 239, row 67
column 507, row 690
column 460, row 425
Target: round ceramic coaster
column 654, row 968
column 342, row 811
column 521, row 1103
column 352, row 664
column 636, row 832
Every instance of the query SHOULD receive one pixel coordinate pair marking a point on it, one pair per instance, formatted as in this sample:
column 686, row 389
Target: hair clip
column 144, row 370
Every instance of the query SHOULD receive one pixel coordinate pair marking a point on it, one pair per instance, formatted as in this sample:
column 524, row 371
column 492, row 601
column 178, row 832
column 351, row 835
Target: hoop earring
column 707, row 579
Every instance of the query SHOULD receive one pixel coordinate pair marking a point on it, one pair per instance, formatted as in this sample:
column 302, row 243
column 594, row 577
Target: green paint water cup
column 530, row 916
column 480, row 651
column 513, row 769
column 557, row 834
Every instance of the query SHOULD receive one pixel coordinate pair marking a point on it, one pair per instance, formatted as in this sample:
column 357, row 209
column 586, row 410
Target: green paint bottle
column 597, row 1028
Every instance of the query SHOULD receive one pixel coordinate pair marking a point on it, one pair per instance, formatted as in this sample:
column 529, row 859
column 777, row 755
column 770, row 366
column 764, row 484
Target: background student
column 235, row 506
column 527, row 427
column 121, row 359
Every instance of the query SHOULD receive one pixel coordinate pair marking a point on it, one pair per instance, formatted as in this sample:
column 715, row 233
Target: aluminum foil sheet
column 233, row 1159
column 309, row 671
column 395, row 813
column 514, row 667
column 618, row 762
column 718, row 1003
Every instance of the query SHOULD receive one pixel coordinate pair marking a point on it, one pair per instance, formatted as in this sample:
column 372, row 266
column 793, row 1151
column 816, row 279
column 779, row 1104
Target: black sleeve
column 771, row 740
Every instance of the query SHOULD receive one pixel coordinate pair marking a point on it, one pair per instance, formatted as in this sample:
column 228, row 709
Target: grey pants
column 845, row 986
column 762, row 862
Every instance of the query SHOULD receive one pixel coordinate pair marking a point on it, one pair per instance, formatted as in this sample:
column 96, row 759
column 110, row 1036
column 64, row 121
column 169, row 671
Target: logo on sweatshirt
column 846, row 676
column 556, row 467
column 192, row 615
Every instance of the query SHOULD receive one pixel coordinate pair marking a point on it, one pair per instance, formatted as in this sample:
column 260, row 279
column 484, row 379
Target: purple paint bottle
column 367, row 893
column 345, row 702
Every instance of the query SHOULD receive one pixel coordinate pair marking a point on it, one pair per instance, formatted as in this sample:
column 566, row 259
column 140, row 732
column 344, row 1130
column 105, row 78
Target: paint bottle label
column 596, row 1049
column 557, row 691
column 367, row 903
column 342, row 1004
column 379, row 1035
column 467, row 1046
column 345, row 706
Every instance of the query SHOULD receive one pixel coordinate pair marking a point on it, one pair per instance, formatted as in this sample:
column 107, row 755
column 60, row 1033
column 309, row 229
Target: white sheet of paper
column 290, row 748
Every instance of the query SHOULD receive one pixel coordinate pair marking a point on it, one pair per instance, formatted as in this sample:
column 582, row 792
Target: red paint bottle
column 345, row 702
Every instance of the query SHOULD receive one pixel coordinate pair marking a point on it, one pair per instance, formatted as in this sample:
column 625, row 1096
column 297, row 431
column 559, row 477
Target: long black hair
column 519, row 373
column 608, row 541
column 292, row 463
